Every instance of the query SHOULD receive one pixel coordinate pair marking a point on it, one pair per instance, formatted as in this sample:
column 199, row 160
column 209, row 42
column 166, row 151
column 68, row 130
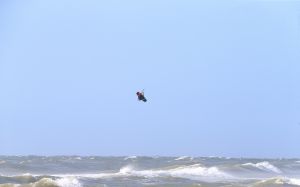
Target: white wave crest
column 48, row 182
column 68, row 182
column 190, row 172
column 194, row 172
column 184, row 158
column 266, row 166
column 45, row 182
column 277, row 181
column 130, row 157
column 293, row 182
column 197, row 171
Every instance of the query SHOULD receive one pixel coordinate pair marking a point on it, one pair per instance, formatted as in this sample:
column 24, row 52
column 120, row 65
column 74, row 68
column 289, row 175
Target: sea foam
column 68, row 182
column 293, row 181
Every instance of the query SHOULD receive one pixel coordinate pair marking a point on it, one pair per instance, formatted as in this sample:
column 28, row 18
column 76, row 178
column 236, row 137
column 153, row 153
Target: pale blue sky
column 221, row 78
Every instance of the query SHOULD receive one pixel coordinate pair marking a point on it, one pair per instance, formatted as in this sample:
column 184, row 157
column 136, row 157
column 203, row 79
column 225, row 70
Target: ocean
column 136, row 171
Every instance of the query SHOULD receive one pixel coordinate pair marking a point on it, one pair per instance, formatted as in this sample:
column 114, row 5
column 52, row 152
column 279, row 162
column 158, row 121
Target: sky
column 221, row 78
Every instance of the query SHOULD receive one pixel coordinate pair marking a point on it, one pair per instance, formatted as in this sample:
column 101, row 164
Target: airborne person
column 141, row 96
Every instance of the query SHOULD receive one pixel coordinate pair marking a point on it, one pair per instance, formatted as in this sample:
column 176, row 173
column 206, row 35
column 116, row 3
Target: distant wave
column 266, row 166
column 130, row 157
column 184, row 158
column 78, row 158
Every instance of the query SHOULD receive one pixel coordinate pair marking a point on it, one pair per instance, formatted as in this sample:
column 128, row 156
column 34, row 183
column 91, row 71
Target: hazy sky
column 221, row 78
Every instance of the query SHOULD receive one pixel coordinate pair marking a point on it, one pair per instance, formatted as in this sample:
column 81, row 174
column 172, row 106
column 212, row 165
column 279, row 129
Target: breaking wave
column 193, row 172
column 294, row 181
column 77, row 171
column 68, row 182
column 265, row 166
column 184, row 158
column 274, row 182
column 32, row 181
column 130, row 157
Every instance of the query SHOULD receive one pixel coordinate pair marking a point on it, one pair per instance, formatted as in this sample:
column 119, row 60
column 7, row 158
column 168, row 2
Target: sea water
column 135, row 171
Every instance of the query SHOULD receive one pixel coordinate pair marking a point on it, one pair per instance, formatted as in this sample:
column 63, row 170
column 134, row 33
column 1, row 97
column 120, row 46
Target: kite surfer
column 141, row 96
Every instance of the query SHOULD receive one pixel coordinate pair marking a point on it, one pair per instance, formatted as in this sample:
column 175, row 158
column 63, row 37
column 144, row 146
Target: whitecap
column 293, row 181
column 269, row 182
column 68, row 182
column 130, row 157
column 45, row 182
column 184, row 158
column 78, row 158
column 193, row 172
column 266, row 166
column 282, row 181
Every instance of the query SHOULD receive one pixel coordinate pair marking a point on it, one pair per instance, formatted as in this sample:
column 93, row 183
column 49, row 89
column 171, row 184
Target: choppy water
column 75, row 171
